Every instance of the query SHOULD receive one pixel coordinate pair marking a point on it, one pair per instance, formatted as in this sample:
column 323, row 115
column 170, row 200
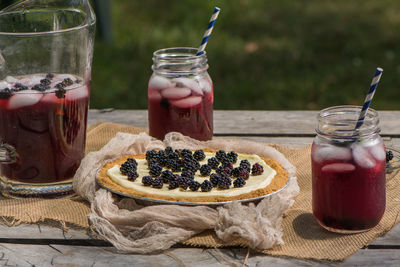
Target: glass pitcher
column 46, row 49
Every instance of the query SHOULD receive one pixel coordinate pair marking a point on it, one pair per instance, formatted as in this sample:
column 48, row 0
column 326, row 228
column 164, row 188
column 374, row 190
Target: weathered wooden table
column 44, row 245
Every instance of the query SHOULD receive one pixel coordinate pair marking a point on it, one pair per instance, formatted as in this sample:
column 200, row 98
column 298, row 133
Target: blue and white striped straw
column 208, row 32
column 368, row 98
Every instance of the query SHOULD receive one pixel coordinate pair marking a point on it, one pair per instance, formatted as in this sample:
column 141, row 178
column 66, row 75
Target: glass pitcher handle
column 8, row 154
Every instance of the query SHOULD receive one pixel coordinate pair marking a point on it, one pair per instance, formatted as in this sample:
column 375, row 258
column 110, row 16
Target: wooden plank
column 260, row 123
column 44, row 231
column 375, row 257
column 42, row 255
column 390, row 239
column 289, row 141
column 130, row 117
column 60, row 255
column 41, row 231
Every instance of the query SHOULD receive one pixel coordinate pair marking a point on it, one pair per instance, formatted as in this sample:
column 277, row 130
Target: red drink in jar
column 348, row 172
column 180, row 94
column 44, row 120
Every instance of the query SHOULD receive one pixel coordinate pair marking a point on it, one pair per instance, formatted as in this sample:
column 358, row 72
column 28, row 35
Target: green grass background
column 263, row 55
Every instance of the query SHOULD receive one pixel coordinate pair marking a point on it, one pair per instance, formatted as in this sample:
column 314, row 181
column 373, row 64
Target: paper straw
column 368, row 98
column 208, row 32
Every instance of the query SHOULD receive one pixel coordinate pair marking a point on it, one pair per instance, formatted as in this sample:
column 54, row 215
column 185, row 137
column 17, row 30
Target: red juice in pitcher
column 348, row 180
column 44, row 119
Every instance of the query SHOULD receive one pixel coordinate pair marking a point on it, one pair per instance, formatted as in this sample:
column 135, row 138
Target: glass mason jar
column 180, row 94
column 46, row 49
column 348, row 170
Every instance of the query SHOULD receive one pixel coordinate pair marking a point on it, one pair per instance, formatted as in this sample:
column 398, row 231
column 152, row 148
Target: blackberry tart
column 193, row 176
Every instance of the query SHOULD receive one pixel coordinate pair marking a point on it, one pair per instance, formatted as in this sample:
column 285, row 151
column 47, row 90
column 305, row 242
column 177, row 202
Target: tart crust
column 280, row 179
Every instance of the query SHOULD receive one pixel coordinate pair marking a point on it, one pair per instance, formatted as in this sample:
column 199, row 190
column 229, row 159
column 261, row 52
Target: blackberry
column 206, row 186
column 189, row 169
column 227, row 170
column 233, row 156
column 60, row 85
column 245, row 164
column 39, row 87
column 221, row 154
column 127, row 167
column 184, row 182
column 244, row 174
column 162, row 158
column 162, row 162
column 20, row 87
column 236, row 171
column 205, row 170
column 191, row 164
column 151, row 154
column 389, row 155
column 164, row 103
column 169, row 163
column 197, row 165
column 239, row 182
column 167, row 176
column 257, row 169
column 60, row 93
column 224, row 182
column 68, row 81
column 214, row 178
column 176, row 177
column 45, row 82
column 173, row 185
column 178, row 151
column 199, row 155
column 194, row 185
column 132, row 161
column 168, row 150
column 176, row 167
column 227, row 164
column 213, row 163
column 186, row 153
column 224, row 161
column 132, row 175
column 155, row 170
column 180, row 162
column 157, row 183
column 5, row 93
column 221, row 170
column 124, row 170
column 173, row 155
column 147, row 180
column 151, row 162
column 189, row 158
column 49, row 76
column 187, row 174
column 129, row 163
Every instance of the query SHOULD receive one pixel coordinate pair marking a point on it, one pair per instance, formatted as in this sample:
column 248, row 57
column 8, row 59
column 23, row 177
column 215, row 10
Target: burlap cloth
column 302, row 236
